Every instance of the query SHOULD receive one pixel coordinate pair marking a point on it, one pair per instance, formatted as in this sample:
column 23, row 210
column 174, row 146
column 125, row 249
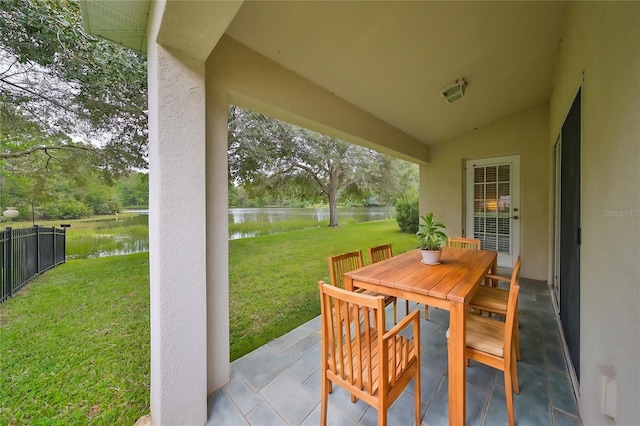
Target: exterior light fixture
column 454, row 91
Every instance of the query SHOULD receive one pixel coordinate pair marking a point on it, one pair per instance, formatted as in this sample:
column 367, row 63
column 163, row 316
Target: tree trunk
column 333, row 197
column 333, row 209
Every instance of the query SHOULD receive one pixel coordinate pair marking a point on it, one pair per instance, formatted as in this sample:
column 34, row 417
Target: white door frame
column 504, row 259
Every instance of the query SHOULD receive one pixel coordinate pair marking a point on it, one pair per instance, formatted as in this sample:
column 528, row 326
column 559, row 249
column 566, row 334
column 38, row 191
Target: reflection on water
column 140, row 219
column 358, row 214
column 238, row 235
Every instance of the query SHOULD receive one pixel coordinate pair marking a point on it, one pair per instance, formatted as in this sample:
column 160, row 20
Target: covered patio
column 279, row 383
column 541, row 77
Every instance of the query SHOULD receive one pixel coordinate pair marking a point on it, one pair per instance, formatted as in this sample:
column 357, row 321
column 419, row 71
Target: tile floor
column 279, row 383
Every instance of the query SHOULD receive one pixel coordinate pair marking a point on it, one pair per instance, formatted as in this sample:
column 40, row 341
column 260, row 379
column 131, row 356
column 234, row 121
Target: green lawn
column 74, row 343
column 273, row 279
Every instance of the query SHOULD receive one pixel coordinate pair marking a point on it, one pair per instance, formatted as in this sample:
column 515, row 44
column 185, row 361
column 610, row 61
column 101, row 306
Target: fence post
column 53, row 231
column 8, row 277
column 64, row 227
column 37, row 248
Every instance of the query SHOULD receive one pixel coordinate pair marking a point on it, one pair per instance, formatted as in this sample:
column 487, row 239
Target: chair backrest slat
column 348, row 357
column 358, row 355
column 394, row 362
column 337, row 350
column 368, row 355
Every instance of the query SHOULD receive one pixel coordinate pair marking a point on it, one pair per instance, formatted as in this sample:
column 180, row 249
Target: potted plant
column 431, row 238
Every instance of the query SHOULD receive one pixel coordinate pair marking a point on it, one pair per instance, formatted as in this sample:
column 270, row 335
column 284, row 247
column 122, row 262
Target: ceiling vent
column 454, row 91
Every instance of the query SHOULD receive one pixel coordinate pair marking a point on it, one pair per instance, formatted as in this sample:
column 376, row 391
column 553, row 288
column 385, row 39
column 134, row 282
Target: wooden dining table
column 449, row 285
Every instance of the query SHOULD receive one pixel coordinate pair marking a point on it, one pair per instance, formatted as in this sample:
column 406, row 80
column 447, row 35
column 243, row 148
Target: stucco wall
column 218, row 356
column 526, row 134
column 601, row 41
column 177, row 276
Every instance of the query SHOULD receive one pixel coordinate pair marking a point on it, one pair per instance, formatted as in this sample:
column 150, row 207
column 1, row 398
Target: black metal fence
column 25, row 253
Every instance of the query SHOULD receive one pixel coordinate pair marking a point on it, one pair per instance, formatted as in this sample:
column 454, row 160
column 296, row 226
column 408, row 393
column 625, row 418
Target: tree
column 50, row 192
column 59, row 85
column 133, row 190
column 101, row 199
column 399, row 177
column 263, row 150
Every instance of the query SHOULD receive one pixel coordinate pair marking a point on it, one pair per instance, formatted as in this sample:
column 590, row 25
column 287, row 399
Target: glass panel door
column 491, row 212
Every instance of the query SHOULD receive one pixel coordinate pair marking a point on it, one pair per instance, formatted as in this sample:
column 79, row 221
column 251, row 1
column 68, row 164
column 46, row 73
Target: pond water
column 249, row 222
column 320, row 214
column 126, row 235
column 122, row 222
column 280, row 214
column 108, row 237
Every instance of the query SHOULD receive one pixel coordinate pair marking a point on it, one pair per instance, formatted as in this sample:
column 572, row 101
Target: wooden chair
column 495, row 300
column 342, row 263
column 368, row 361
column 464, row 243
column 470, row 244
column 384, row 252
column 491, row 342
column 346, row 262
column 378, row 253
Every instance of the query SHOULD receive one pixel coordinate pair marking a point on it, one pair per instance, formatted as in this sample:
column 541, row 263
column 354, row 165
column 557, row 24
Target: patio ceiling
column 387, row 58
column 391, row 58
column 124, row 22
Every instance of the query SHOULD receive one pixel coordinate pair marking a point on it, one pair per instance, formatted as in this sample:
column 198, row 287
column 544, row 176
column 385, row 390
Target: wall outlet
column 608, row 395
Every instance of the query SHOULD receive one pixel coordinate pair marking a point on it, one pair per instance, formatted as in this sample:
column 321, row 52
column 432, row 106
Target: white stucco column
column 218, row 367
column 177, row 234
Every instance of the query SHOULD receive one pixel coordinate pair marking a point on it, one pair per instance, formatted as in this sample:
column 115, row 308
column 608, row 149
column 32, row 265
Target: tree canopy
column 273, row 155
column 62, row 89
